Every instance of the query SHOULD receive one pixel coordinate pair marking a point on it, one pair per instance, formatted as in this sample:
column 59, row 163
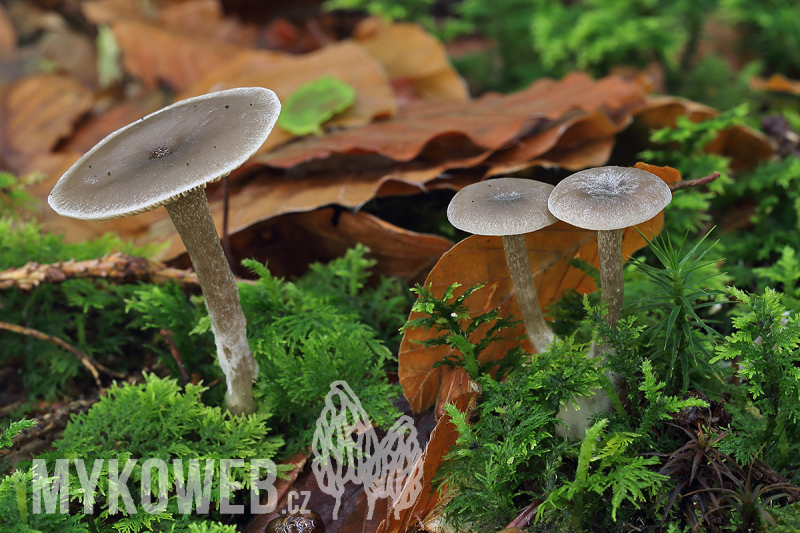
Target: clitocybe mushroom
column 607, row 200
column 509, row 207
column 167, row 158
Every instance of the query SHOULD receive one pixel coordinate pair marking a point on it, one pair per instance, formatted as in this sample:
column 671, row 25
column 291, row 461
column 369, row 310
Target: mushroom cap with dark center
column 164, row 155
column 501, row 206
column 609, row 198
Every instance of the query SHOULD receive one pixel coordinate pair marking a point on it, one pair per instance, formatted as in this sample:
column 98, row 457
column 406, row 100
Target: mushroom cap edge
column 174, row 142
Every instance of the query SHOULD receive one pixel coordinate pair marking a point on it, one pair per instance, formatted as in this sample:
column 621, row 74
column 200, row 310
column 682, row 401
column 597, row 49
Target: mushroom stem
column 519, row 266
column 609, row 246
column 192, row 218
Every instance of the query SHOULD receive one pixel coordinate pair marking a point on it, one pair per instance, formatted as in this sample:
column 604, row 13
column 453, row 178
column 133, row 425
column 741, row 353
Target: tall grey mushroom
column 608, row 200
column 167, row 158
column 510, row 208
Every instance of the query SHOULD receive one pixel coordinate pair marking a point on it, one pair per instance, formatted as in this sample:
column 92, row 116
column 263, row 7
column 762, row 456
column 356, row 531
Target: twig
column 84, row 359
column 212, row 384
column 175, row 354
column 685, row 184
column 117, row 267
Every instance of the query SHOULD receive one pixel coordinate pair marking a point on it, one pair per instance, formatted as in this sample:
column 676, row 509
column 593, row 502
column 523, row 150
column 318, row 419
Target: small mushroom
column 609, row 199
column 167, row 158
column 509, row 207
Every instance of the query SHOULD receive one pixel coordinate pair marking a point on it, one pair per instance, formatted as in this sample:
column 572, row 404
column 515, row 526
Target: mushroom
column 605, row 199
column 167, row 158
column 510, row 208
column 609, row 199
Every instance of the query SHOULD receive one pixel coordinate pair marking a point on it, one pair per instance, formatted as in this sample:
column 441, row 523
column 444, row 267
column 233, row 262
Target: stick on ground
column 84, row 359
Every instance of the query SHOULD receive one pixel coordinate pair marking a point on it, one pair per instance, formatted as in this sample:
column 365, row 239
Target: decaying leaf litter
column 413, row 128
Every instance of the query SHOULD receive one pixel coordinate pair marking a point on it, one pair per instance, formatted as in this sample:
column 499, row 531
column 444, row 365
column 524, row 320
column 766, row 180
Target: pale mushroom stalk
column 510, row 208
column 519, row 266
column 606, row 200
column 609, row 247
column 167, row 158
column 191, row 216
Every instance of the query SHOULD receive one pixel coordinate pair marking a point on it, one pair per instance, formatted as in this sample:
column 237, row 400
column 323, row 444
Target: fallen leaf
column 204, row 19
column 354, row 182
column 289, row 243
column 357, row 522
column 349, row 181
column 284, row 74
column 443, row 437
column 455, row 382
column 8, row 37
column 670, row 175
column 98, row 126
column 490, row 122
column 105, row 11
column 153, row 54
column 421, row 60
column 745, row 146
column 71, row 53
column 663, row 111
column 775, row 83
column 35, row 113
column 590, row 135
column 481, row 259
column 449, row 159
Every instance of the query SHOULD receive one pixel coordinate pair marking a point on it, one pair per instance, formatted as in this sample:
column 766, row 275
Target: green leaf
column 314, row 103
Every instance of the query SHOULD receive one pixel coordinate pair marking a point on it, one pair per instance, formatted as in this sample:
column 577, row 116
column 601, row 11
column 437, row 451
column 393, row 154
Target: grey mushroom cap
column 501, row 206
column 609, row 198
column 166, row 154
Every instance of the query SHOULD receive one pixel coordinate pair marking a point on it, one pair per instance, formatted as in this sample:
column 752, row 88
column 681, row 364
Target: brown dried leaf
column 590, row 135
column 105, row 11
column 98, row 126
column 421, row 60
column 663, row 111
column 204, row 19
column 284, row 74
column 289, row 243
column 489, row 123
column 351, row 181
column 8, row 37
column 575, row 141
column 775, row 83
column 480, row 259
column 35, row 113
column 356, row 521
column 745, row 146
column 348, row 182
column 442, row 439
column 455, row 382
column 153, row 54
